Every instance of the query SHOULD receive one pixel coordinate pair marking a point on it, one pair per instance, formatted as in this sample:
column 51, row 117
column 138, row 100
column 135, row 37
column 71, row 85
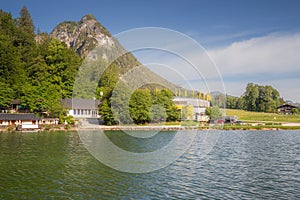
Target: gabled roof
column 25, row 116
column 78, row 103
column 286, row 105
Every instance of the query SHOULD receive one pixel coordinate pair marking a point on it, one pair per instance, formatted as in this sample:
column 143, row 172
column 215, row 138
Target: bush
column 213, row 112
column 11, row 128
column 67, row 119
column 48, row 127
column 295, row 111
column 67, row 127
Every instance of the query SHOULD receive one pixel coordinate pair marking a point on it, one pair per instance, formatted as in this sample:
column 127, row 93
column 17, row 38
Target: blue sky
column 250, row 41
column 212, row 22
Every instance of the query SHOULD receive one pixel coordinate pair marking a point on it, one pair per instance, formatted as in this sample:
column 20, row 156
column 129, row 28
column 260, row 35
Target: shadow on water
column 135, row 144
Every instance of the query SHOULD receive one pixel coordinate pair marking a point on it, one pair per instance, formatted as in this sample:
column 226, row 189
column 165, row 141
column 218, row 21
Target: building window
column 74, row 112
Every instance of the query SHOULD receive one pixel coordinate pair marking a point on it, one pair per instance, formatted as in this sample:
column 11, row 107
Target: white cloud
column 272, row 60
column 273, row 53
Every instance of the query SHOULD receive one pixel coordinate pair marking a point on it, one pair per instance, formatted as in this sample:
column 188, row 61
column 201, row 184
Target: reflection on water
column 242, row 164
column 125, row 140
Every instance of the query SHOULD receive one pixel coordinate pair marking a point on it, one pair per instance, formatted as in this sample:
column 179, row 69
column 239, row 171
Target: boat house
column 81, row 108
column 21, row 121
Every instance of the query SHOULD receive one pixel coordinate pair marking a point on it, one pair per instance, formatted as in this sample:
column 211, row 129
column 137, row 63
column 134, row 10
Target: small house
column 286, row 109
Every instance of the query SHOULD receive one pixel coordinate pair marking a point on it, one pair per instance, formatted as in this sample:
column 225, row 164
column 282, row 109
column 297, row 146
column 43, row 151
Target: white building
column 82, row 108
column 199, row 106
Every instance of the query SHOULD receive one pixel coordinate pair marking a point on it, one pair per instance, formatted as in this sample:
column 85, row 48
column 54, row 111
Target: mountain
column 87, row 34
column 83, row 36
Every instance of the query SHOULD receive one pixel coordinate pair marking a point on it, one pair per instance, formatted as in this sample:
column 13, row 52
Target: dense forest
column 35, row 69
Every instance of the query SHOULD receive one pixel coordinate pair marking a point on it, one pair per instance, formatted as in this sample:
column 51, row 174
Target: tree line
column 256, row 97
column 141, row 107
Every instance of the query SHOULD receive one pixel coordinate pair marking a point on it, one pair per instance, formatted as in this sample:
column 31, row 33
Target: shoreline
column 158, row 128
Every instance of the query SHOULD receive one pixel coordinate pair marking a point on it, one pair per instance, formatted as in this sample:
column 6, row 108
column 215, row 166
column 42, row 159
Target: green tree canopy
column 164, row 98
column 260, row 98
column 6, row 94
column 25, row 22
column 187, row 112
column 256, row 98
column 139, row 106
column 213, row 112
column 106, row 113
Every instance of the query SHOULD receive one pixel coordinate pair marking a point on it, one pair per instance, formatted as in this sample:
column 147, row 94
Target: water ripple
column 242, row 165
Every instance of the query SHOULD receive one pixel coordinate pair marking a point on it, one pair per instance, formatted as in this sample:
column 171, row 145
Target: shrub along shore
column 164, row 128
column 248, row 121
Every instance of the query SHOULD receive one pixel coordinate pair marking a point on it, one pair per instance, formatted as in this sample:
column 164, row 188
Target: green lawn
column 263, row 117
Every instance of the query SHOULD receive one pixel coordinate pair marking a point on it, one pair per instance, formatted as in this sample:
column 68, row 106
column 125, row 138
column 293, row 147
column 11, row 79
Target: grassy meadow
column 262, row 117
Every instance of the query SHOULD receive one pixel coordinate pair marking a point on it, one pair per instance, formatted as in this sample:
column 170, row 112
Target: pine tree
column 25, row 22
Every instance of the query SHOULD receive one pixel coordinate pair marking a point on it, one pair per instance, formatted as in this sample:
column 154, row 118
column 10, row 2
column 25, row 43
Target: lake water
column 241, row 165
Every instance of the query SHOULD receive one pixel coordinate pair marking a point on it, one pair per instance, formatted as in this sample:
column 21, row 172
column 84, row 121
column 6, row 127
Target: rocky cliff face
column 84, row 35
column 88, row 33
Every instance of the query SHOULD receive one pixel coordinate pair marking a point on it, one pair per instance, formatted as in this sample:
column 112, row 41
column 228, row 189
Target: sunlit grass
column 263, row 117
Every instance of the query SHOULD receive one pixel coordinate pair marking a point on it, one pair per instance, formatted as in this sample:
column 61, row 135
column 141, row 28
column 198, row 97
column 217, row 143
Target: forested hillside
column 38, row 70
